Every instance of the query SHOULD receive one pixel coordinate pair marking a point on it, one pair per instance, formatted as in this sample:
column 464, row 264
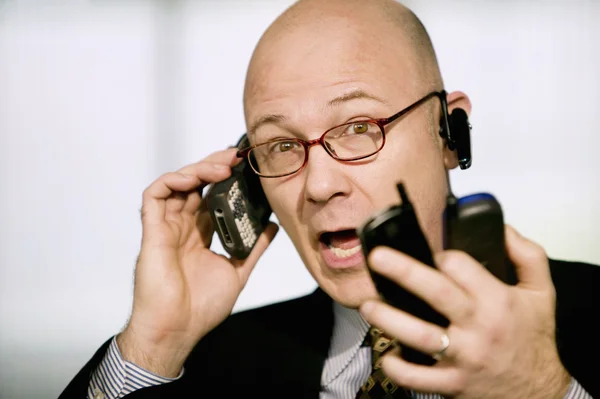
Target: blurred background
column 100, row 97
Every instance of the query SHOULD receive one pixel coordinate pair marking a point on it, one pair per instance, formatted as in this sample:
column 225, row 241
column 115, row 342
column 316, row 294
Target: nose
column 324, row 177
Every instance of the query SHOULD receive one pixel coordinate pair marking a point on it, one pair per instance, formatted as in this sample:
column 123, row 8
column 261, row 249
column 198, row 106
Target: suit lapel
column 302, row 338
column 280, row 348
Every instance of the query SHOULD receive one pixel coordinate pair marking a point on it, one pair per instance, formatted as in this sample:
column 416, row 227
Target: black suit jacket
column 279, row 350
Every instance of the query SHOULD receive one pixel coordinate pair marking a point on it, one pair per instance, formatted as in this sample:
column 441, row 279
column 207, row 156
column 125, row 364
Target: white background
column 98, row 98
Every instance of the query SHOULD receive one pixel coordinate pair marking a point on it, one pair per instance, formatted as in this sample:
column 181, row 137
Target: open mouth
column 341, row 248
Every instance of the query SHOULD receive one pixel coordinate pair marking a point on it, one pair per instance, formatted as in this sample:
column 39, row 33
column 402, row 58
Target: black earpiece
column 460, row 130
column 456, row 130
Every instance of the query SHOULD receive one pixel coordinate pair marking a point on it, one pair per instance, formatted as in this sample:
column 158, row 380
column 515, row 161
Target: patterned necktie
column 378, row 385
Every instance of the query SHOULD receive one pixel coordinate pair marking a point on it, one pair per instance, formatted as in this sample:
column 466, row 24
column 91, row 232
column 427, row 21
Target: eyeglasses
column 350, row 141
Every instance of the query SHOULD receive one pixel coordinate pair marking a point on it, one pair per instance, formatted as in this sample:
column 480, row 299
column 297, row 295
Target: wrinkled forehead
column 307, row 66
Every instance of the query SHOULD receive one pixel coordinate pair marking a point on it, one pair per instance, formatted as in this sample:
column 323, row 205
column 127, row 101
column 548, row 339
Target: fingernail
column 377, row 257
column 377, row 254
column 366, row 307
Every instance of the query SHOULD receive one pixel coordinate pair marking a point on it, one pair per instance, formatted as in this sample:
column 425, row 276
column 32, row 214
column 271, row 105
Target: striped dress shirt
column 347, row 367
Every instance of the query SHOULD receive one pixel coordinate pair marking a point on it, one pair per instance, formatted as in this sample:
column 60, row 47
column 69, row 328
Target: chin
column 349, row 285
column 350, row 290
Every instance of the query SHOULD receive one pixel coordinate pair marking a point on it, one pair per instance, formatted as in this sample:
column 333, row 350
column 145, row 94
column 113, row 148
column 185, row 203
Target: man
column 324, row 64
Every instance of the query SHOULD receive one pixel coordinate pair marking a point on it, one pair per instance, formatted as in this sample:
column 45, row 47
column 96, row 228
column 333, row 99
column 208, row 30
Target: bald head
column 380, row 27
column 321, row 69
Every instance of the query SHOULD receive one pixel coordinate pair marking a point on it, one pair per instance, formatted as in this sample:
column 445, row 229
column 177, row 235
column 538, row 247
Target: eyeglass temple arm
column 243, row 152
column 440, row 94
column 243, row 146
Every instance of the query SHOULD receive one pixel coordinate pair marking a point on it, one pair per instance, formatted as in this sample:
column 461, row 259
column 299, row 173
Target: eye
column 360, row 128
column 285, row 146
column 278, row 147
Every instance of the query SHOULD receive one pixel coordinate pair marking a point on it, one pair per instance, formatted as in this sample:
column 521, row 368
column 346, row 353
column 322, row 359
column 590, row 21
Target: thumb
column 530, row 260
column 245, row 266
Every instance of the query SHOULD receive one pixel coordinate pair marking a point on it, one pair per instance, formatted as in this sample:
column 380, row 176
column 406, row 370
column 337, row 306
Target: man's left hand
column 501, row 338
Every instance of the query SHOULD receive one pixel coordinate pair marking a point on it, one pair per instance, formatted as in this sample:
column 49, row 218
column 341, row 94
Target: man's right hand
column 182, row 289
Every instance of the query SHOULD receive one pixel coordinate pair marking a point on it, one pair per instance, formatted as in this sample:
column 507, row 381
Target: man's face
column 296, row 76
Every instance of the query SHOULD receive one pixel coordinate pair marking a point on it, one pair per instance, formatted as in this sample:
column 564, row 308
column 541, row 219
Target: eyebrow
column 354, row 95
column 357, row 94
column 265, row 120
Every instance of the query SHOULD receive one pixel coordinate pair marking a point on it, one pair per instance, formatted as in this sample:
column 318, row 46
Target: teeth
column 344, row 253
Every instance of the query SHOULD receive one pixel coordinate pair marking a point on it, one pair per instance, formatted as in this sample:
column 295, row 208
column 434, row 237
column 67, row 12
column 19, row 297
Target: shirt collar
column 349, row 331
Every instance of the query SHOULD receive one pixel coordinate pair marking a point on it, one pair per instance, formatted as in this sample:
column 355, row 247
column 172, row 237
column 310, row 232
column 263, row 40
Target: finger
column 408, row 329
column 153, row 198
column 204, row 173
column 245, row 266
column 225, row 157
column 423, row 281
column 530, row 260
column 471, row 276
column 192, row 202
column 205, row 224
column 442, row 380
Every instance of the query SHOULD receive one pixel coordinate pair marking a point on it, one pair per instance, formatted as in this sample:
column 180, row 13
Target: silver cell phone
column 239, row 208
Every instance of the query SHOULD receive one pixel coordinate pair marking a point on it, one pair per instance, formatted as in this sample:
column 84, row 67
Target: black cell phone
column 397, row 227
column 475, row 224
column 239, row 208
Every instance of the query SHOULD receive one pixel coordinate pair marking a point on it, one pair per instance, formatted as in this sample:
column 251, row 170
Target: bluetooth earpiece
column 460, row 131
column 455, row 128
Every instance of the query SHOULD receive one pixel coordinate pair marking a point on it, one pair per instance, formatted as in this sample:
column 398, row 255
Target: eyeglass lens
column 346, row 142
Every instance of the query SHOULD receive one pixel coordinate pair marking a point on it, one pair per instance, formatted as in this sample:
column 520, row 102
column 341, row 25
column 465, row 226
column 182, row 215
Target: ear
column 456, row 99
